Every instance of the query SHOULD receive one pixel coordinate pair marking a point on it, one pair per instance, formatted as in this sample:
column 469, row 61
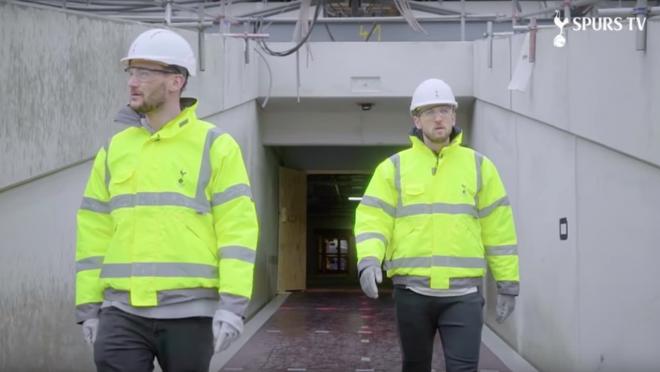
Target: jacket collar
column 130, row 117
column 455, row 139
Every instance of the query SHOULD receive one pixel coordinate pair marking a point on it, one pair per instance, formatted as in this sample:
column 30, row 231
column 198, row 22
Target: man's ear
column 177, row 83
column 417, row 122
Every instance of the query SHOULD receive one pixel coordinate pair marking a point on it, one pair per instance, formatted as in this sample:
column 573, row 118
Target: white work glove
column 505, row 306
column 227, row 326
column 89, row 328
column 368, row 279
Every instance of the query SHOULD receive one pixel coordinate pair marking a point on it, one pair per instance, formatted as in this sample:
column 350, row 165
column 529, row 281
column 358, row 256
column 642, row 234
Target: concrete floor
column 331, row 330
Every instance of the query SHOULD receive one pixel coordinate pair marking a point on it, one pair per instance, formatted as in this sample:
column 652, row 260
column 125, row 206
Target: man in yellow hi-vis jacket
column 433, row 216
column 167, row 229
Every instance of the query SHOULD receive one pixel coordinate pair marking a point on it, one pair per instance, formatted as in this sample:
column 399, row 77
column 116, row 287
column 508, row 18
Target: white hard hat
column 432, row 92
column 164, row 46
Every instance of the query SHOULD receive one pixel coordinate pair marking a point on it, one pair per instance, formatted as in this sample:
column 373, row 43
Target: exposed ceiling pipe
column 432, row 9
column 273, row 11
column 153, row 18
column 547, row 10
column 94, row 7
column 168, row 13
column 362, row 20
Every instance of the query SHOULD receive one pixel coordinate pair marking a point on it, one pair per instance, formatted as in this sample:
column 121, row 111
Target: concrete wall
column 61, row 84
column 344, row 69
column 580, row 143
column 341, row 122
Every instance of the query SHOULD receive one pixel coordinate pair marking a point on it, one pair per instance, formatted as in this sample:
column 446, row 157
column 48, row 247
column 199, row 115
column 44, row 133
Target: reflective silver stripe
column 370, row 235
column 424, row 282
column 87, row 311
column 166, row 297
column 478, row 159
column 489, row 209
column 111, row 294
column 173, row 296
column 205, row 167
column 407, row 262
column 366, row 262
column 167, row 269
column 94, row 205
column 89, row 263
column 446, row 261
column 234, row 303
column 158, row 199
column 231, row 193
column 238, row 253
column 415, row 209
column 378, row 203
column 396, row 161
column 508, row 287
column 463, row 262
column 465, row 282
column 500, row 250
column 411, row 281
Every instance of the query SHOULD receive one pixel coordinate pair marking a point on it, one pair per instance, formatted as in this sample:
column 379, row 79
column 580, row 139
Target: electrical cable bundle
column 264, row 46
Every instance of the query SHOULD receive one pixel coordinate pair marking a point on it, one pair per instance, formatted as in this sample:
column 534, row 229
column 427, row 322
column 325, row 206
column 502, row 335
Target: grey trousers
column 458, row 319
column 129, row 343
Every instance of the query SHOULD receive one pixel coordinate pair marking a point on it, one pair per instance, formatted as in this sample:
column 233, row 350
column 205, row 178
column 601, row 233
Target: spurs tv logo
column 560, row 40
column 595, row 24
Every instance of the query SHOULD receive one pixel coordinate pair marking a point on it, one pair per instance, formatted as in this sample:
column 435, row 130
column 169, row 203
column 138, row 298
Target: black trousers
column 458, row 320
column 129, row 343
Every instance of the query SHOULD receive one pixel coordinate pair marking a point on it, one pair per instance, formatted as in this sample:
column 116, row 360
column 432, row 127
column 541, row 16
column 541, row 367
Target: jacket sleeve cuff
column 234, row 303
column 87, row 311
column 508, row 288
column 367, row 262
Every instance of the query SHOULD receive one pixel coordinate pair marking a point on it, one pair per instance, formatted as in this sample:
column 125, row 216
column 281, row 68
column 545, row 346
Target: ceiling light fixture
column 366, row 106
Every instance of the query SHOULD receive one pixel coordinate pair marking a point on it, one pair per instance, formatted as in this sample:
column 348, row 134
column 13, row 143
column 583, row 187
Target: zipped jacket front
column 437, row 220
column 166, row 217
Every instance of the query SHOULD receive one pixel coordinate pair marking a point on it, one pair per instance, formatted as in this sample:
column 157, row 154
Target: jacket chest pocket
column 413, row 193
column 121, row 182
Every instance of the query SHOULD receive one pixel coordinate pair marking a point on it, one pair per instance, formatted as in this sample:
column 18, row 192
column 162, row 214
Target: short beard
column 147, row 108
column 441, row 140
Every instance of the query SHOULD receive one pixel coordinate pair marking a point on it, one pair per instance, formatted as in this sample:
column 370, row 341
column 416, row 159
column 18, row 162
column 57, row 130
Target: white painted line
column 321, row 331
column 503, row 351
column 364, row 341
column 365, row 370
column 251, row 327
column 296, row 369
column 365, row 359
column 364, row 326
column 365, row 332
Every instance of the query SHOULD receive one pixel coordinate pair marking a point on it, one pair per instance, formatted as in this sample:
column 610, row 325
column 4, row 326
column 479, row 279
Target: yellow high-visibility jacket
column 435, row 220
column 166, row 217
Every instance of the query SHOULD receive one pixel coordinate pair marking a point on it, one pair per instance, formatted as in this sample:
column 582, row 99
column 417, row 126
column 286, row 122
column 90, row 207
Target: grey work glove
column 368, row 279
column 505, row 306
column 227, row 326
column 89, row 328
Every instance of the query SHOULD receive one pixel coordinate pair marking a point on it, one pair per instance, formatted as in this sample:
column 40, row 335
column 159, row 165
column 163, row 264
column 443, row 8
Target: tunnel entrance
column 320, row 188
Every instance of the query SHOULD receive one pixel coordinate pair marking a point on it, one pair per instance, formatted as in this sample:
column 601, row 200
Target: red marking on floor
column 343, row 349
